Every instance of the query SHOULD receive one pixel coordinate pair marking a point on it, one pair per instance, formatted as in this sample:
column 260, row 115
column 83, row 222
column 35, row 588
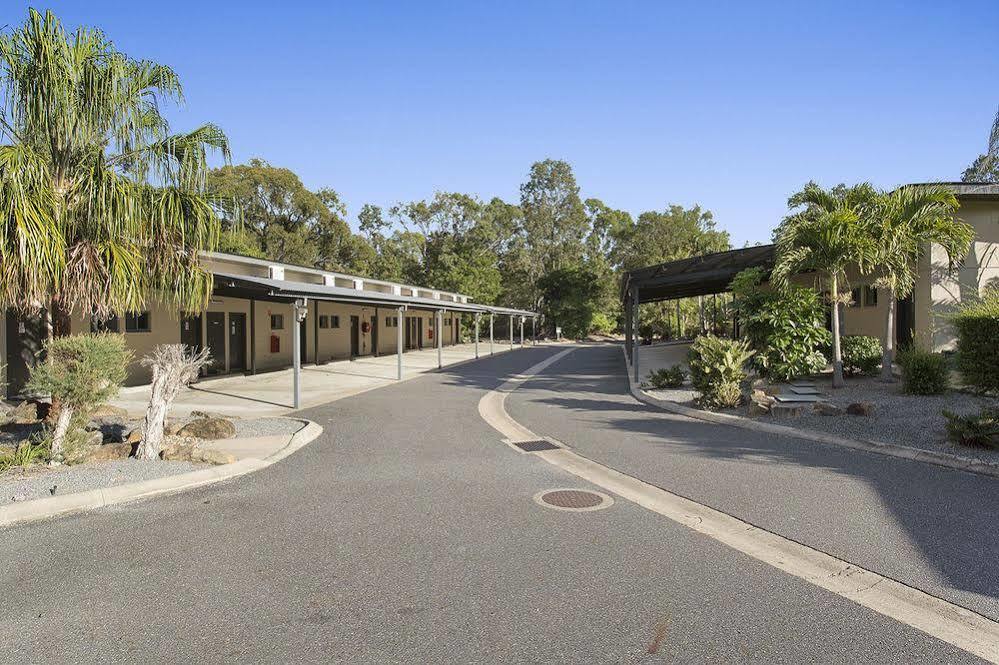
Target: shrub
column 667, row 377
column 786, row 330
column 80, row 372
column 601, row 324
column 717, row 368
column 861, row 354
column 977, row 326
column 979, row 430
column 923, row 373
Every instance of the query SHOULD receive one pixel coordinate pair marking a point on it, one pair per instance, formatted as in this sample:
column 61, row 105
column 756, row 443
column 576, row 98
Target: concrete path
column 270, row 393
column 408, row 533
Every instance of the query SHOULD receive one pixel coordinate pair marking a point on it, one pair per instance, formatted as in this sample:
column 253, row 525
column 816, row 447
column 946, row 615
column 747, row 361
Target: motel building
column 261, row 311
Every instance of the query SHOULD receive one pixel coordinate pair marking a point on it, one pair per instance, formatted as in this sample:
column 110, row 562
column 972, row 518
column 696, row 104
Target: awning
column 696, row 276
column 248, row 286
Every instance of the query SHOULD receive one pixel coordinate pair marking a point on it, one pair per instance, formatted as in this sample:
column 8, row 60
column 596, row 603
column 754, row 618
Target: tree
column 570, row 297
column 100, row 204
column 902, row 223
column 173, row 367
column 985, row 168
column 826, row 235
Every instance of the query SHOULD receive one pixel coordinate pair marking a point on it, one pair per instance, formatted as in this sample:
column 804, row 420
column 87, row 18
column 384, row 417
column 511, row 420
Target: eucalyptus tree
column 825, row 233
column 902, row 224
column 100, row 204
column 985, row 168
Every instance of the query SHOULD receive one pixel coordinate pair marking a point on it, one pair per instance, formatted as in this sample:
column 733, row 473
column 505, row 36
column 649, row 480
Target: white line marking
column 938, row 618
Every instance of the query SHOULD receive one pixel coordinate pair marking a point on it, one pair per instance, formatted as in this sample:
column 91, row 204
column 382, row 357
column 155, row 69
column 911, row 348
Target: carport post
column 490, row 333
column 477, row 315
column 522, row 332
column 300, row 308
column 511, row 332
column 637, row 341
column 440, row 338
column 398, row 341
column 534, row 334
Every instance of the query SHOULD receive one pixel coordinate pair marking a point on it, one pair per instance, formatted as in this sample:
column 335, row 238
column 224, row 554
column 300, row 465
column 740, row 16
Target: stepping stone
column 798, row 399
column 802, row 384
column 804, row 390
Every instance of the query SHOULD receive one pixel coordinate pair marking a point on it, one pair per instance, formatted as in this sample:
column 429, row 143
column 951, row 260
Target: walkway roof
column 696, row 276
column 248, row 286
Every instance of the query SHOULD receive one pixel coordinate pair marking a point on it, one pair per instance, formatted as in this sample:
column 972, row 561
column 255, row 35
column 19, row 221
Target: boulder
column 110, row 451
column 114, row 431
column 177, row 449
column 827, row 409
column 135, row 436
column 108, row 412
column 783, row 411
column 24, row 413
column 210, row 456
column 209, row 428
column 756, row 409
column 860, row 409
column 170, row 429
column 208, row 414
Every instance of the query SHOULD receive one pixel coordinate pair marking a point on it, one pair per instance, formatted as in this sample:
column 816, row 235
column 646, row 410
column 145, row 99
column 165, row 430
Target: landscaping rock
column 210, row 456
column 170, row 429
column 757, row 409
column 176, row 448
column 24, row 413
column 209, row 428
column 114, row 431
column 861, row 409
column 209, row 414
column 135, row 436
column 108, row 412
column 110, row 451
column 827, row 409
column 784, row 411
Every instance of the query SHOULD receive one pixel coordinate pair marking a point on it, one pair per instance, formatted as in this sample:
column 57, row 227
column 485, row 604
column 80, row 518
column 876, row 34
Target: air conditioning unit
column 275, row 272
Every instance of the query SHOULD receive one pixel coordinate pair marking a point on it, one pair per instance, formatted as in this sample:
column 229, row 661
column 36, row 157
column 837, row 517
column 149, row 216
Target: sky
column 730, row 105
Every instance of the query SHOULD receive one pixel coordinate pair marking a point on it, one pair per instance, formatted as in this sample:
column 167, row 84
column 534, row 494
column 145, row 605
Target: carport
column 703, row 275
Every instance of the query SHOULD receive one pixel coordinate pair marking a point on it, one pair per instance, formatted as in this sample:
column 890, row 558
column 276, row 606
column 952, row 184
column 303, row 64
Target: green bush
column 979, row 430
column 667, row 377
column 977, row 326
column 601, row 324
column 861, row 354
column 717, row 368
column 785, row 329
column 923, row 373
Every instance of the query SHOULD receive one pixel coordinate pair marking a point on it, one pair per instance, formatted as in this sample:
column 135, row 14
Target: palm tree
column 825, row 235
column 902, row 225
column 100, row 204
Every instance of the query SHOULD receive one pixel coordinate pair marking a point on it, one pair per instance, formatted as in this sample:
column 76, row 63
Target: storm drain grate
column 535, row 446
column 574, row 499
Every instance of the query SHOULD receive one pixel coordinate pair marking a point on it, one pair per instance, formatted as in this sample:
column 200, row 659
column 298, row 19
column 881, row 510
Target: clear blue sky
column 730, row 105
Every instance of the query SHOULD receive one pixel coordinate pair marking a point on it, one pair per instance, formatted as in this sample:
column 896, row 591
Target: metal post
column 490, row 333
column 534, row 332
column 637, row 342
column 296, row 345
column 521, row 332
column 477, row 315
column 679, row 321
column 398, row 341
column 440, row 338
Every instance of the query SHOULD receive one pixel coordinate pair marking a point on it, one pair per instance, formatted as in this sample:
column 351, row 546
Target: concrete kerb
column 30, row 511
column 891, row 450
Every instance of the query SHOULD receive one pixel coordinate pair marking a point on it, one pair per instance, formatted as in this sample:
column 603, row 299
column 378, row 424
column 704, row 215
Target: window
column 395, row 321
column 388, row 321
column 335, row 321
column 870, row 296
column 109, row 325
column 855, row 297
column 324, row 321
column 137, row 322
column 277, row 321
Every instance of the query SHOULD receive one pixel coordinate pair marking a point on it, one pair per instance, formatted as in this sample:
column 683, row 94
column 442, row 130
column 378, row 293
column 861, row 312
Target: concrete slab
column 270, row 394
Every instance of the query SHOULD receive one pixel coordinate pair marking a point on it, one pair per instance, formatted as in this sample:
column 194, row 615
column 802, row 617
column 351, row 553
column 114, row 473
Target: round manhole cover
column 573, row 499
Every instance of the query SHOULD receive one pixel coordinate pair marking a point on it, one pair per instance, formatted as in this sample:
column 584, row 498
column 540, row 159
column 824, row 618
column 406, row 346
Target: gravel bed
column 36, row 482
column 684, row 396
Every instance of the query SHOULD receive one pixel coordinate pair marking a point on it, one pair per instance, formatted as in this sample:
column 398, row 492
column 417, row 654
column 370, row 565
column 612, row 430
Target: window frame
column 134, row 318
column 279, row 318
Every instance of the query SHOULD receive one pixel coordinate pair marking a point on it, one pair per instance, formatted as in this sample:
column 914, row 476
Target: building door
column 237, row 342
column 374, row 336
column 355, row 336
column 190, row 332
column 25, row 338
column 905, row 324
column 215, row 338
column 303, row 334
column 408, row 322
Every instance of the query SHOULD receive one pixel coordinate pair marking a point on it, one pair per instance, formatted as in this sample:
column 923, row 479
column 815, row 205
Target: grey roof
column 696, row 276
column 247, row 285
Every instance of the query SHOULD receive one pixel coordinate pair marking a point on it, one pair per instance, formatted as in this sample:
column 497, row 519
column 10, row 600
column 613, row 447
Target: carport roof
column 696, row 276
column 249, row 286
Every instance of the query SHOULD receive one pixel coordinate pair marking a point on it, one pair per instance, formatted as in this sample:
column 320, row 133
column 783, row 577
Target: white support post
column 490, row 333
column 398, row 341
column 299, row 309
column 477, row 315
column 440, row 338
column 511, row 332
column 534, row 331
column 521, row 332
column 637, row 342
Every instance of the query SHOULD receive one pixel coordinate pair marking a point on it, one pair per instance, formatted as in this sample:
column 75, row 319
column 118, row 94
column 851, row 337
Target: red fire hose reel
column 365, row 327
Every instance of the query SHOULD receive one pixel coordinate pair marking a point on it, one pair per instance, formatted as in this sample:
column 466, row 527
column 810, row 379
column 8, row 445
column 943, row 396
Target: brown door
column 237, row 342
column 215, row 335
column 374, row 336
column 355, row 337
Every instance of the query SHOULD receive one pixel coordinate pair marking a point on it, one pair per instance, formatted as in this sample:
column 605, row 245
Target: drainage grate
column 534, row 446
column 577, row 499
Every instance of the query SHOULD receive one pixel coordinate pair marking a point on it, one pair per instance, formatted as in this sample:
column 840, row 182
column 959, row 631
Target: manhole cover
column 535, row 446
column 573, row 499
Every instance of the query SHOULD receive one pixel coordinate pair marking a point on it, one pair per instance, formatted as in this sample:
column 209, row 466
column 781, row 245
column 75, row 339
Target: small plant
column 861, row 354
column 717, row 370
column 979, row 430
column 977, row 326
column 923, row 373
column 667, row 377
column 27, row 452
column 80, row 372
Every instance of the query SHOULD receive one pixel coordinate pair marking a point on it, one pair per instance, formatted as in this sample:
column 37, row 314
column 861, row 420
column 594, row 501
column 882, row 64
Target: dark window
column 870, row 296
column 388, row 321
column 324, row 321
column 855, row 297
column 395, row 321
column 109, row 325
column 335, row 321
column 137, row 322
column 277, row 321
